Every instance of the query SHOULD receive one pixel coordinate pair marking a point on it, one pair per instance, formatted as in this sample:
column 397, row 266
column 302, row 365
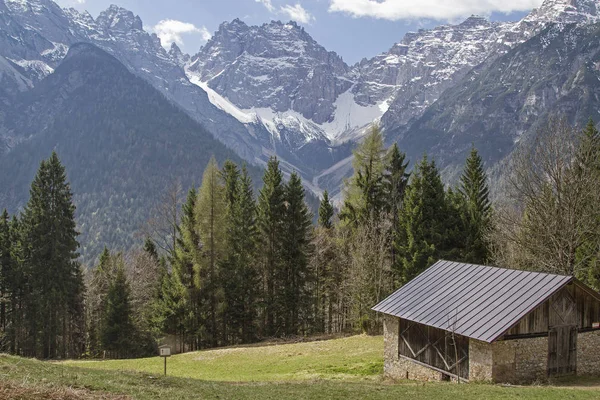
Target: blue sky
column 352, row 28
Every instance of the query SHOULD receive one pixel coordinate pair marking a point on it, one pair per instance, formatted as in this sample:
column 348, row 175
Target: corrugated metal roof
column 476, row 301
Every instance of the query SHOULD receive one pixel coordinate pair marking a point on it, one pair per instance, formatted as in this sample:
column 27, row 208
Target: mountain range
column 256, row 91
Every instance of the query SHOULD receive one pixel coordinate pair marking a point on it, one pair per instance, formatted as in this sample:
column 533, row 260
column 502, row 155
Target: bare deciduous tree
column 164, row 218
column 551, row 208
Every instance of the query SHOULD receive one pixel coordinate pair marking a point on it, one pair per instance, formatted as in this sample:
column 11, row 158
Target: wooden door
column 562, row 351
column 562, row 335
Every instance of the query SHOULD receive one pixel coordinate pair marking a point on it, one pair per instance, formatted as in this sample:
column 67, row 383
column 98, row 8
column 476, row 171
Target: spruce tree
column 326, row 211
column 240, row 276
column 50, row 258
column 423, row 222
column 118, row 332
column 296, row 251
column 5, row 278
column 365, row 195
column 210, row 218
column 396, row 181
column 476, row 211
column 17, row 283
column 150, row 248
column 271, row 214
column 186, row 269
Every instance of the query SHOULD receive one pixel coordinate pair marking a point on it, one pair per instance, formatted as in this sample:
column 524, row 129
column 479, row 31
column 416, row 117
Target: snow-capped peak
column 566, row 11
column 119, row 19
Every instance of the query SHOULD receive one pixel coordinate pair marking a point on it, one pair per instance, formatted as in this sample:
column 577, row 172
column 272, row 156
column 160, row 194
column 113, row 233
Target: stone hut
column 480, row 323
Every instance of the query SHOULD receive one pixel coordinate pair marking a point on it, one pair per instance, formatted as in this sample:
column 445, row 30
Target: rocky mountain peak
column 475, row 21
column 30, row 6
column 119, row 19
column 176, row 54
column 567, row 11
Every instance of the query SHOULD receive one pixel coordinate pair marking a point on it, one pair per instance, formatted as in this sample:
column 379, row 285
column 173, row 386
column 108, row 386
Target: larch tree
column 210, row 217
column 364, row 191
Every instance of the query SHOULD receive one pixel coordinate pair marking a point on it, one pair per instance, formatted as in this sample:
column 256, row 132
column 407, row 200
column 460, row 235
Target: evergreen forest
column 225, row 264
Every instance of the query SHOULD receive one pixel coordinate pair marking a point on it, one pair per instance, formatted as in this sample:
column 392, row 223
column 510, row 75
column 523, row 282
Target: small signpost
column 165, row 352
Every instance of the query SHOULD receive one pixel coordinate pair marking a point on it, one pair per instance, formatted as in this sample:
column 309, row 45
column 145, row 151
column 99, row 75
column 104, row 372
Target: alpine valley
column 127, row 115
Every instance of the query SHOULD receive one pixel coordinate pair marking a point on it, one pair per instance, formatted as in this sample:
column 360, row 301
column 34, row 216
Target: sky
column 354, row 29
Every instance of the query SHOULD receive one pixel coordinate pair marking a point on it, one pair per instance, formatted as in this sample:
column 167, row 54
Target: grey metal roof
column 472, row 300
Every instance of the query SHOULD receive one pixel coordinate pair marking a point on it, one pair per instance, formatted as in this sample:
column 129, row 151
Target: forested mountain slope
column 121, row 141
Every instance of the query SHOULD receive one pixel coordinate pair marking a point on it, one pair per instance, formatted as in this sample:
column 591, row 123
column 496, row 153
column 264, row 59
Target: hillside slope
column 332, row 369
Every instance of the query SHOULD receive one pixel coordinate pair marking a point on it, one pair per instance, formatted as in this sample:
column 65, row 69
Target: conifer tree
column 240, row 276
column 183, row 286
column 364, row 192
column 17, row 283
column 150, row 248
column 5, row 277
column 50, row 259
column 476, row 210
column 271, row 214
column 326, row 211
column 118, row 332
column 296, row 251
column 423, row 222
column 210, row 217
column 396, row 181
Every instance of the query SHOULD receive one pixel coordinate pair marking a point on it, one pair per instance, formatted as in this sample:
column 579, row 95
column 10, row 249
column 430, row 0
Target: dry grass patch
column 12, row 391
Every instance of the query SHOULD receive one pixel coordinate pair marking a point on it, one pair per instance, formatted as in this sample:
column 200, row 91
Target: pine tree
column 210, row 217
column 326, row 211
column 423, row 222
column 476, row 211
column 50, row 259
column 365, row 196
column 296, row 251
column 271, row 214
column 118, row 332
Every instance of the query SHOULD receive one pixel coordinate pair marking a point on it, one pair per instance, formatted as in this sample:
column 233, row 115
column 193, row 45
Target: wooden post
column 165, row 352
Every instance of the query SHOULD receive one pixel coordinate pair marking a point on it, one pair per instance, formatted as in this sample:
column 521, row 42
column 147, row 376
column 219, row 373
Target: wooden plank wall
column 537, row 322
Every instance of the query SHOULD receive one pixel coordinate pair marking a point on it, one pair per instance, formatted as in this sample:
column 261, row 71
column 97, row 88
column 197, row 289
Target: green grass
column 357, row 357
column 345, row 369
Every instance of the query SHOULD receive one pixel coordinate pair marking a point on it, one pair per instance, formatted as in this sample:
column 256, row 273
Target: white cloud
column 170, row 31
column 297, row 13
column 267, row 3
column 435, row 9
